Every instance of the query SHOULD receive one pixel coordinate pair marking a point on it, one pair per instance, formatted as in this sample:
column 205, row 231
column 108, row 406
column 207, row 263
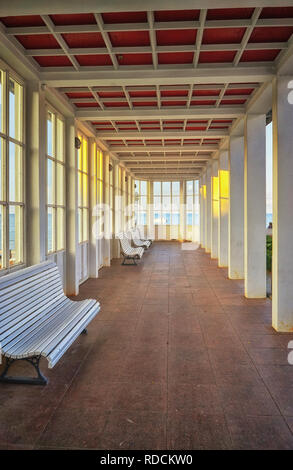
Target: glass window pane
column 85, row 190
column 15, row 234
column 85, row 228
column 189, row 218
column 1, row 101
column 50, row 181
column 175, row 203
column 84, row 155
column 166, row 188
column 80, row 225
column 50, row 134
column 189, row 187
column 175, row 218
column 143, row 188
column 175, row 188
column 101, row 166
column 189, row 203
column 157, row 218
column 50, row 229
column 1, row 236
column 79, row 176
column 60, row 229
column 60, row 184
column 166, row 200
column 157, row 188
column 15, row 173
column 60, row 140
column 157, row 202
column 166, row 218
column 15, row 110
column 2, row 179
column 143, row 202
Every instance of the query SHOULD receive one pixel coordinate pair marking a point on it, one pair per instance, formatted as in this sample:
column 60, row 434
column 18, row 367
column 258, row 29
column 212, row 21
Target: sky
column 269, row 167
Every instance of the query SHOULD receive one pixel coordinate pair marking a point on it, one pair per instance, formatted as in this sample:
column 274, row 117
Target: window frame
column 171, row 209
column 55, row 206
column 9, row 74
column 83, row 207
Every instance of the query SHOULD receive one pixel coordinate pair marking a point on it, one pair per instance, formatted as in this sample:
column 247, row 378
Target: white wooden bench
column 37, row 319
column 137, row 240
column 128, row 251
column 142, row 235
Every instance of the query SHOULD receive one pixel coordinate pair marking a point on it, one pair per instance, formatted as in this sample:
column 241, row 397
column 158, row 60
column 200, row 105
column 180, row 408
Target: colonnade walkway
column 176, row 359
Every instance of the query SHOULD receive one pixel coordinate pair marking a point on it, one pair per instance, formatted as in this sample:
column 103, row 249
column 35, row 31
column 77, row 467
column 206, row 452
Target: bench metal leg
column 128, row 264
column 34, row 361
column 84, row 332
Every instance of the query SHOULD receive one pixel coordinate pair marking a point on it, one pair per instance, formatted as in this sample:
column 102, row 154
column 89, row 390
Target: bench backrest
column 26, row 293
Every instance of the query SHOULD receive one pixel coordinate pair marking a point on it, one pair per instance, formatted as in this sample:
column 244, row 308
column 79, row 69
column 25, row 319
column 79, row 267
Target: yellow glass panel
column 101, row 166
column 224, row 183
column 204, row 191
column 85, row 190
column 79, row 153
column 215, row 188
column 80, row 201
column 84, row 155
column 215, row 205
column 224, row 203
column 60, row 184
column 60, row 140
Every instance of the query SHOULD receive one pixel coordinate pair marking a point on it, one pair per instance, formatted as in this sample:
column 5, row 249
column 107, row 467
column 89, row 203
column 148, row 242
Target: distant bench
column 37, row 319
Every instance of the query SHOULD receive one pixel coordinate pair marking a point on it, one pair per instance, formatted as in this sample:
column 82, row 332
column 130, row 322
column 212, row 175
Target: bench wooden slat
column 36, row 298
column 50, row 323
column 28, row 328
column 55, row 355
column 21, row 291
column 10, row 280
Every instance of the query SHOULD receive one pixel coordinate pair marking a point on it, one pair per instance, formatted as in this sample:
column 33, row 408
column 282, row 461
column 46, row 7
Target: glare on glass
column 1, row 236
column 50, row 181
column 50, row 228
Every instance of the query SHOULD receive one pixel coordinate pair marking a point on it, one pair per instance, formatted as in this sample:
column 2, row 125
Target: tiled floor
column 176, row 359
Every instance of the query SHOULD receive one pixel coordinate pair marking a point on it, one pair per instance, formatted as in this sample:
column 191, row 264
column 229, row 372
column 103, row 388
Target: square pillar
column 94, row 213
column 214, row 209
column 223, row 209
column 282, row 262
column 208, row 211
column 203, row 193
column 72, row 273
column 107, row 212
column 36, row 249
column 255, row 206
column 236, row 209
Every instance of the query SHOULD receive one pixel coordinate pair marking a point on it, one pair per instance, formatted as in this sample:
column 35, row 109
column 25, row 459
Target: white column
column 182, row 226
column 203, row 190
column 255, row 206
column 150, row 229
column 223, row 209
column 35, row 174
column 214, row 209
column 236, row 209
column 208, row 210
column 107, row 212
column 93, row 216
column 72, row 275
column 117, row 211
column 282, row 265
